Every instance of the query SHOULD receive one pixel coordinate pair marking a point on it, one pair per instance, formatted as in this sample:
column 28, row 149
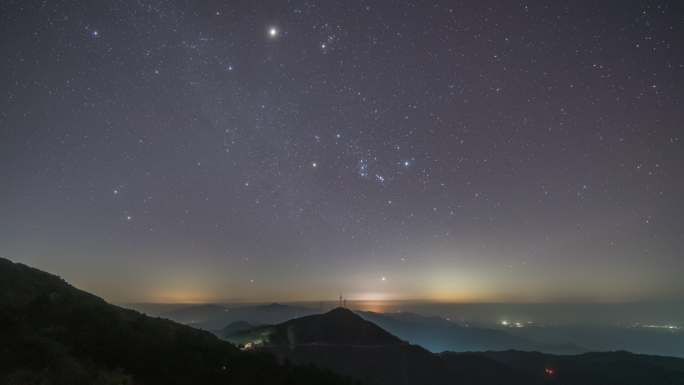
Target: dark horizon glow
column 290, row 151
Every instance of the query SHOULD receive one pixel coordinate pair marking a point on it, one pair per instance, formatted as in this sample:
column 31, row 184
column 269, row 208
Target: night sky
column 191, row 151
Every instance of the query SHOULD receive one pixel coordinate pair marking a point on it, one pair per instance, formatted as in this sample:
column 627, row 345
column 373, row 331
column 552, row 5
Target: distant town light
column 668, row 327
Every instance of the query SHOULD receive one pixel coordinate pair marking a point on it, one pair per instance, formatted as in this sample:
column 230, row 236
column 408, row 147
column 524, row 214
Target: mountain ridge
column 54, row 333
column 303, row 341
column 438, row 334
column 216, row 316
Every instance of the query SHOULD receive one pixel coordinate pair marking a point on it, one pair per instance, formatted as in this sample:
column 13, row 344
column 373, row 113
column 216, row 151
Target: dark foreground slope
column 601, row 368
column 346, row 343
column 53, row 333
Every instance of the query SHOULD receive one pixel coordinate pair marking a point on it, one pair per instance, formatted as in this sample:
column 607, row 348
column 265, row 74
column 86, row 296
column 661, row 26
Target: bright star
column 273, row 32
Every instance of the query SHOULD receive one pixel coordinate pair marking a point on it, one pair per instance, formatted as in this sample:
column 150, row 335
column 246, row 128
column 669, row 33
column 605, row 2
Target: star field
column 469, row 151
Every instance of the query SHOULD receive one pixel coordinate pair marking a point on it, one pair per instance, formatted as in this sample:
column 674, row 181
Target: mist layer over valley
column 648, row 328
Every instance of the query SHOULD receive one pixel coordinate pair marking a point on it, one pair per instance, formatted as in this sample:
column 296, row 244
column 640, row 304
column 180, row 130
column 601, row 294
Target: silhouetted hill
column 338, row 326
column 346, row 343
column 52, row 333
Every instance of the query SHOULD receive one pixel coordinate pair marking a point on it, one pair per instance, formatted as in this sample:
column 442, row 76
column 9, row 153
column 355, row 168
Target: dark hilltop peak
column 341, row 312
column 339, row 326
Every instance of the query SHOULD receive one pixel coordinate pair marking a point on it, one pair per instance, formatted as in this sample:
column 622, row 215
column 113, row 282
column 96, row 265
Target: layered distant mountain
column 437, row 335
column 433, row 333
column 216, row 316
column 646, row 340
column 52, row 334
column 346, row 343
